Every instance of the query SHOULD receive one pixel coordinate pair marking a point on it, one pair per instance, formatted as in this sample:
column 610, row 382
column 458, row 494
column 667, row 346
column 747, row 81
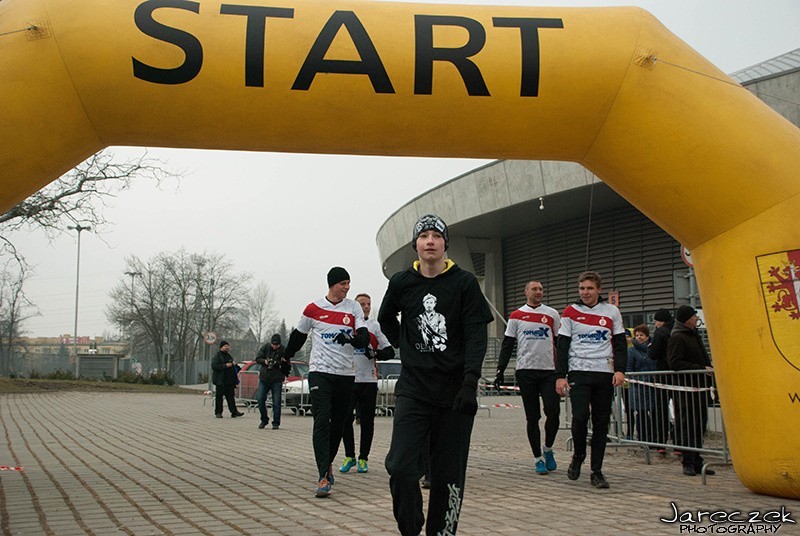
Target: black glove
column 499, row 379
column 369, row 352
column 466, row 400
column 343, row 339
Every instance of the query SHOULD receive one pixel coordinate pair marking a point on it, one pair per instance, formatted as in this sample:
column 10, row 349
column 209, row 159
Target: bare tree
column 171, row 300
column 14, row 309
column 79, row 196
column 261, row 311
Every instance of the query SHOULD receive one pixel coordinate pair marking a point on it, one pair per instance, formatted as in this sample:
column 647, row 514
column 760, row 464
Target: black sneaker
column 218, row 415
column 275, row 427
column 709, row 472
column 262, row 425
column 599, row 481
column 688, row 470
column 237, row 414
column 574, row 469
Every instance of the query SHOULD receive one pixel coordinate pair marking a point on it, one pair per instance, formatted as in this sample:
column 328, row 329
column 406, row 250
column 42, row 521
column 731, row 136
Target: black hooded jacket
column 441, row 335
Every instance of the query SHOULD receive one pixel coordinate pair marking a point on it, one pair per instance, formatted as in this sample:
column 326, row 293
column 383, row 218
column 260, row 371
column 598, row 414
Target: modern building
column 511, row 221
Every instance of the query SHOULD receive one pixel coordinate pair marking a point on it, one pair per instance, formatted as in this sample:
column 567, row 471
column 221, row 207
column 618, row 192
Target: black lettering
column 426, row 54
column 794, row 397
column 370, row 63
column 529, row 36
column 143, row 17
column 255, row 39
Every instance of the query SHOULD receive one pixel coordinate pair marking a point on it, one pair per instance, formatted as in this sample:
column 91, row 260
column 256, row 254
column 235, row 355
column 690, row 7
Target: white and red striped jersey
column 367, row 369
column 324, row 321
column 535, row 329
column 591, row 329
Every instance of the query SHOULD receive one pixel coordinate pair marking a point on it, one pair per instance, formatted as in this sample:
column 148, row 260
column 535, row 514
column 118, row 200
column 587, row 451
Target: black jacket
column 271, row 366
column 658, row 346
column 686, row 351
column 442, row 333
column 220, row 373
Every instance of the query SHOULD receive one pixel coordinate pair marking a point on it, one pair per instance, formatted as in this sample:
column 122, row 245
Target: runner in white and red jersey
column 533, row 328
column 337, row 328
column 592, row 353
column 365, row 392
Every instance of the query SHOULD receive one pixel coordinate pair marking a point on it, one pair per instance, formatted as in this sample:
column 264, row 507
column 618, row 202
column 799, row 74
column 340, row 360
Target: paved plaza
column 112, row 463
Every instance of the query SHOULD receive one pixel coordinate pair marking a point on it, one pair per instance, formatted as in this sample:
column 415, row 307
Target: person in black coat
column 686, row 351
column 274, row 369
column 657, row 351
column 223, row 376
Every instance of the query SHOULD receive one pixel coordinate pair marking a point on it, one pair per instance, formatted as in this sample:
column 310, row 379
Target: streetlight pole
column 79, row 228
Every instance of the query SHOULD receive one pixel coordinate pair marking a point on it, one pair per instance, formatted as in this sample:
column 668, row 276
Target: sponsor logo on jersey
column 598, row 335
column 540, row 333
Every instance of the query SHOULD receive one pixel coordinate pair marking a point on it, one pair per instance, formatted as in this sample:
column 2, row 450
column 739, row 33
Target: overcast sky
column 279, row 216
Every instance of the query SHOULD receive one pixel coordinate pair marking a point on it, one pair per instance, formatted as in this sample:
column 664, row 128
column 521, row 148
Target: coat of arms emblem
column 780, row 284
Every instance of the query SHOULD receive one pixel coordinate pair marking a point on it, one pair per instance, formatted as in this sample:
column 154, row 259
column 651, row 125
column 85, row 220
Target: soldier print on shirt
column 432, row 327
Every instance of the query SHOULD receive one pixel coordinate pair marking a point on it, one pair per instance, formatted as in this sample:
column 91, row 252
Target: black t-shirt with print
column 441, row 334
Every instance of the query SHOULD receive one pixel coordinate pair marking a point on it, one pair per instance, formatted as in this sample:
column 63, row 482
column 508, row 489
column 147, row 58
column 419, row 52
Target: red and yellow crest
column 780, row 283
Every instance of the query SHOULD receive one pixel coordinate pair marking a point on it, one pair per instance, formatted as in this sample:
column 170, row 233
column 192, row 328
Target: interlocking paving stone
column 124, row 463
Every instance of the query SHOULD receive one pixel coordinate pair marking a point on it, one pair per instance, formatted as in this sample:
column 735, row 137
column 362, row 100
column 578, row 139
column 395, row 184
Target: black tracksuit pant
column 450, row 434
column 691, row 413
column 532, row 385
column 591, row 395
column 363, row 399
column 330, row 400
column 227, row 391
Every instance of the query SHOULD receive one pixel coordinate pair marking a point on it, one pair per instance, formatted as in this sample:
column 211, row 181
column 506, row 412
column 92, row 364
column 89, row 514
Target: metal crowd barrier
column 386, row 400
column 668, row 410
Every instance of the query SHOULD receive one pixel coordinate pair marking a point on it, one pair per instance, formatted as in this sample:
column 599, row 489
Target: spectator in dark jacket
column 641, row 397
column 686, row 352
column 223, row 376
column 657, row 351
column 274, row 367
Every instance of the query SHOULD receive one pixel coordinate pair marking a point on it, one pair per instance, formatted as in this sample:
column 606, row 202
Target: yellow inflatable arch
column 694, row 151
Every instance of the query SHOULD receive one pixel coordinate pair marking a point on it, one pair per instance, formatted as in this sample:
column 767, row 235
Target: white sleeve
column 511, row 328
column 304, row 325
column 383, row 342
column 566, row 327
column 619, row 326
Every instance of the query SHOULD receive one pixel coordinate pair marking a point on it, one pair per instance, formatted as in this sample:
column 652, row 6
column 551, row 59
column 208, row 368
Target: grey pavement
column 111, row 463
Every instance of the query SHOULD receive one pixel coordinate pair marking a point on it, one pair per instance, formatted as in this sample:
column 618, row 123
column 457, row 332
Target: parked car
column 248, row 377
column 297, row 394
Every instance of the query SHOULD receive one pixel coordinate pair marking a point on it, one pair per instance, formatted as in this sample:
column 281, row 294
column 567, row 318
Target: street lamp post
column 79, row 228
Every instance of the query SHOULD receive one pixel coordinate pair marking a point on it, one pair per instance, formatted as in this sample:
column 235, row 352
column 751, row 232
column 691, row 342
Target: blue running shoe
column 348, row 464
column 541, row 468
column 362, row 466
column 550, row 460
column 323, row 488
column 329, row 475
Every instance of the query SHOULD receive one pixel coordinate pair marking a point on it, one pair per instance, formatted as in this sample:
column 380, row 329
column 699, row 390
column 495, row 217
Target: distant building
column 38, row 346
column 513, row 220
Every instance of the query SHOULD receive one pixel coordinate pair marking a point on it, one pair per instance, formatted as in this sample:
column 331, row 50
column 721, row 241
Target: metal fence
column 669, row 411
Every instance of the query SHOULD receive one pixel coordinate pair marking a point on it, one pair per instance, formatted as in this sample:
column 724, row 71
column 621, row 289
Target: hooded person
column 442, row 339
